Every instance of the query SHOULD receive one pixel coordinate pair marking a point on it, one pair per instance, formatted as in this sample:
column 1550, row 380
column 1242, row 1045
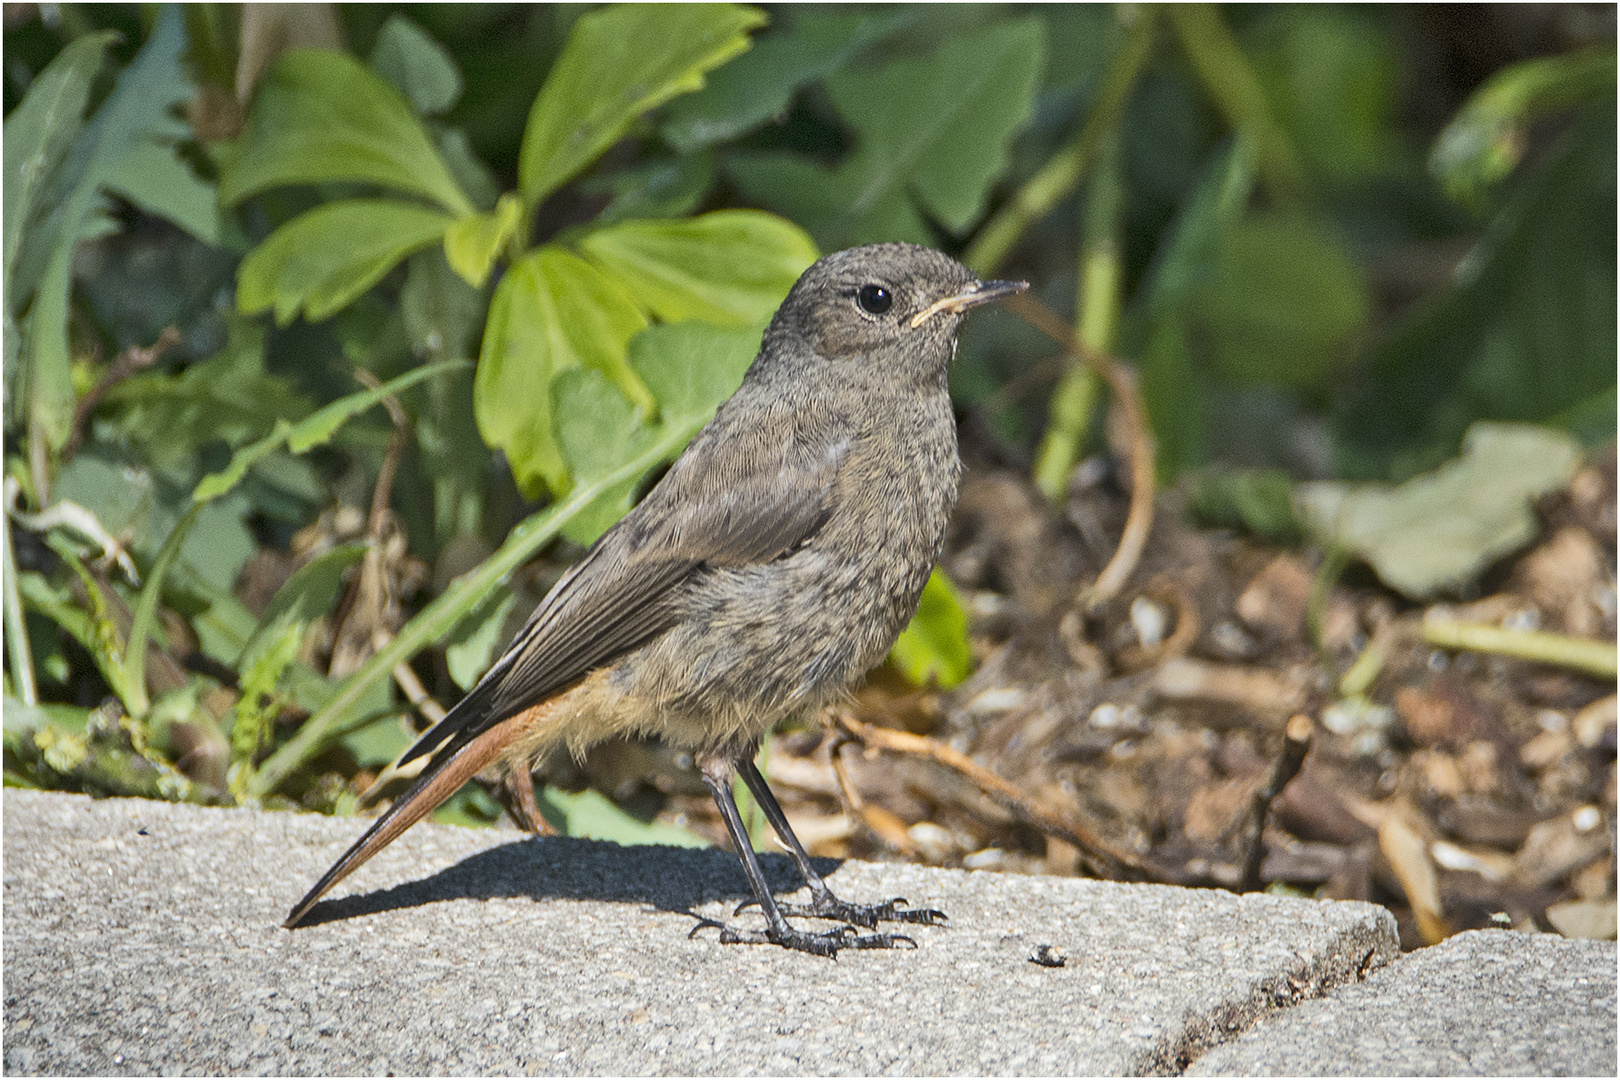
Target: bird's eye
column 874, row 299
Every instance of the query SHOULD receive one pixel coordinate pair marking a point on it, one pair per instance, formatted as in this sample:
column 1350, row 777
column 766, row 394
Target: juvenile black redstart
column 772, row 566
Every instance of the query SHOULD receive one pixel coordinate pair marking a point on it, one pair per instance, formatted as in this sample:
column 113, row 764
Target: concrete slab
column 144, row 937
column 1483, row 1003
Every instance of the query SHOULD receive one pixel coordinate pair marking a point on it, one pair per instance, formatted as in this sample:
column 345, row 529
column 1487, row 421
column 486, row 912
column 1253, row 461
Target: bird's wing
column 623, row 592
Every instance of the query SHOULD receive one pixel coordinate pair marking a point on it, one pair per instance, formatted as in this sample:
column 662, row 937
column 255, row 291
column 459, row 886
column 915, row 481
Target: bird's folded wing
column 625, row 590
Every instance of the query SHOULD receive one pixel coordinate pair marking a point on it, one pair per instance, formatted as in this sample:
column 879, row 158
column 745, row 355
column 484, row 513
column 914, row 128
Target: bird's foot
column 823, row 944
column 828, row 906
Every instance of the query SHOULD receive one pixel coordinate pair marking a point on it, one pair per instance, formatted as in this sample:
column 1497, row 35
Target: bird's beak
column 980, row 292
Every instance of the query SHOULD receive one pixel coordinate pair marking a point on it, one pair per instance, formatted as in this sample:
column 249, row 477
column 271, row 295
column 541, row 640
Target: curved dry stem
column 1139, row 522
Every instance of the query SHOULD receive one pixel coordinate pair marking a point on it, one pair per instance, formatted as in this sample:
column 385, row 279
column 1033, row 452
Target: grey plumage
column 772, row 566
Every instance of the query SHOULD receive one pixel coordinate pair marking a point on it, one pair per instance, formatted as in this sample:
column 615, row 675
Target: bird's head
column 896, row 306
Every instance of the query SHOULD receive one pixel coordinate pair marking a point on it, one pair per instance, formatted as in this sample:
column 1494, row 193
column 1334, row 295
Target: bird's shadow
column 569, row 868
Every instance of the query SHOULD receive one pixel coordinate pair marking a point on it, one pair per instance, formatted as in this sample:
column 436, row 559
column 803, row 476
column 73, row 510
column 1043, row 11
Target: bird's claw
column 824, row 944
column 828, row 906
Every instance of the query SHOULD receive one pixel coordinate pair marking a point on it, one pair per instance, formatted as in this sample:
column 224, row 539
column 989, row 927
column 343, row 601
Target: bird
column 771, row 567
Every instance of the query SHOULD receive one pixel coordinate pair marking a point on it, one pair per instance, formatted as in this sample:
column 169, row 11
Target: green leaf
column 37, row 137
column 933, row 134
column 306, row 596
column 138, row 111
column 591, row 814
column 1259, row 501
column 1332, row 76
column 320, row 261
column 1286, row 303
column 620, row 62
column 552, row 311
column 757, row 86
column 934, row 647
column 660, row 188
column 471, row 645
column 322, row 116
column 1525, row 330
column 417, row 66
column 311, row 431
column 472, row 243
column 731, row 267
column 598, row 430
column 1438, row 531
column 691, row 368
column 153, row 177
column 1487, row 138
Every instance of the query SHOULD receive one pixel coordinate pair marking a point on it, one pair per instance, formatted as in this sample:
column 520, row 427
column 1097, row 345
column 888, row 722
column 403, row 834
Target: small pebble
column 1048, row 956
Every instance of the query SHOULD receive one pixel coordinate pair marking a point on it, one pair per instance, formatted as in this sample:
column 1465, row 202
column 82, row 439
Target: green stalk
column 1596, row 658
column 22, row 658
column 1235, row 89
column 1098, row 319
column 134, row 680
column 1064, row 170
column 435, row 620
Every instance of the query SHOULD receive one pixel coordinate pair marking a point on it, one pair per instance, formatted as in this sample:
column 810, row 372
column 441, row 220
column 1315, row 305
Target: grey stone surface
column 1483, row 1003
column 144, row 937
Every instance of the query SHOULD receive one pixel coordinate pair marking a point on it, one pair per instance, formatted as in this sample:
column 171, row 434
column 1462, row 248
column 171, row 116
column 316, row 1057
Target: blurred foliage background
column 333, row 332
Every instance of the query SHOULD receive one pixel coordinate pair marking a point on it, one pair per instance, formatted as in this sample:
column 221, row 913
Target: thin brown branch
column 1139, row 522
column 134, row 359
column 1296, row 744
column 1104, row 856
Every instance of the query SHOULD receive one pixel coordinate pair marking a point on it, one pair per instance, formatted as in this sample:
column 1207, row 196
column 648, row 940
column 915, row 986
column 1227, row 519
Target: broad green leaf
column 660, row 188
column 417, row 66
column 1487, row 138
column 1438, row 531
column 153, row 177
column 1524, row 331
column 934, row 647
column 322, row 116
column 933, row 134
column 591, row 814
column 139, row 110
column 731, row 267
column 691, row 368
column 472, row 243
column 320, row 261
column 1285, row 302
column 552, row 311
column 311, row 431
column 37, row 137
column 1332, row 77
column 598, row 431
column 757, row 86
column 620, row 62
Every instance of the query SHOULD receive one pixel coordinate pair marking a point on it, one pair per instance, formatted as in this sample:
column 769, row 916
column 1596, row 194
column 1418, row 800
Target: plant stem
column 1235, row 89
column 1098, row 317
column 22, row 659
column 1583, row 654
column 1063, row 171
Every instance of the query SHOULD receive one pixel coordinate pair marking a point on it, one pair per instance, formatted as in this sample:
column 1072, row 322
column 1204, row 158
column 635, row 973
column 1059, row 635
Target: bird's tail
column 441, row 779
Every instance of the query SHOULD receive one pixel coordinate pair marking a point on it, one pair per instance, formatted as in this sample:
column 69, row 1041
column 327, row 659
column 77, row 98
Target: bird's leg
column 823, row 904
column 777, row 931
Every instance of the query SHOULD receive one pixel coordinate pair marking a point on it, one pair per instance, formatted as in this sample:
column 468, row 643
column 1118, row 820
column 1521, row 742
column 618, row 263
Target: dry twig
column 132, row 360
column 1296, row 744
column 1104, row 856
column 1140, row 519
